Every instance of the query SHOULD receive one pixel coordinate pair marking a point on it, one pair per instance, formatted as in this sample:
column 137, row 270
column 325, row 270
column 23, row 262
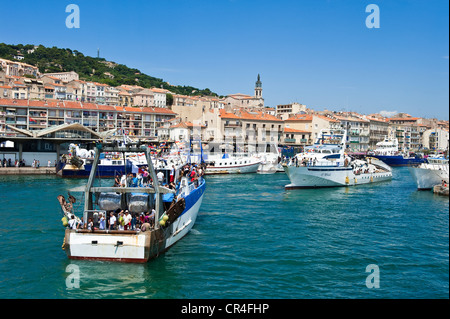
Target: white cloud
column 388, row 113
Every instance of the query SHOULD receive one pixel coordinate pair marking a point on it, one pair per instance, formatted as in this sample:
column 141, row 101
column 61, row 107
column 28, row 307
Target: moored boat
column 234, row 164
column 427, row 175
column 388, row 152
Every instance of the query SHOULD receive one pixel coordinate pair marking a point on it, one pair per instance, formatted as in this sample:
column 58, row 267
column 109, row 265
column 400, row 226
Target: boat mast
column 87, row 192
column 158, row 194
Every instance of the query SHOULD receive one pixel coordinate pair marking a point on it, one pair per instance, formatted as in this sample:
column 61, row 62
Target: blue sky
column 316, row 52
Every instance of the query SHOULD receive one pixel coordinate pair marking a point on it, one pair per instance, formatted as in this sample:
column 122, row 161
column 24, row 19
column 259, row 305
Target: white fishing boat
column 325, row 164
column 427, row 175
column 175, row 212
column 231, row 164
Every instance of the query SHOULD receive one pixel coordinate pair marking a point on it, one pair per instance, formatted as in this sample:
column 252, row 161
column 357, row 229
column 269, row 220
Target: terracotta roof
column 403, row 119
column 300, row 117
column 377, row 119
column 291, row 130
column 13, row 102
column 351, row 119
column 256, row 116
column 106, row 107
column 186, row 125
column 225, row 115
column 259, row 116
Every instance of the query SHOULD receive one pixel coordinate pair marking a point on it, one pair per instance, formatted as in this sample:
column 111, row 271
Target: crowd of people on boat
column 143, row 179
column 115, row 220
column 125, row 220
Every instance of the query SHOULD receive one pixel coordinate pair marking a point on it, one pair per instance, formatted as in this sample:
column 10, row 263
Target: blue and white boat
column 325, row 164
column 109, row 166
column 388, row 152
column 175, row 212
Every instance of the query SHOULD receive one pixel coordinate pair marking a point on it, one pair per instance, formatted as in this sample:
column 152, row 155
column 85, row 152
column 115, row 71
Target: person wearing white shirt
column 160, row 177
column 73, row 223
column 127, row 220
column 112, row 221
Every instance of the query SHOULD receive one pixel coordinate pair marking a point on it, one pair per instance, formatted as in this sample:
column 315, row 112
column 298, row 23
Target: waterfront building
column 436, row 139
column 378, row 130
column 184, row 131
column 241, row 126
column 406, row 130
column 293, row 137
column 32, row 115
column 313, row 123
column 358, row 132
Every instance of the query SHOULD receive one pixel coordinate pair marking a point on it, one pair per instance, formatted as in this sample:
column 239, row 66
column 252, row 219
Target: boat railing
column 320, row 163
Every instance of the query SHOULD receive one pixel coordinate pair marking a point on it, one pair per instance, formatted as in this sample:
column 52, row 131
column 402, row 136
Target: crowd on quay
column 21, row 163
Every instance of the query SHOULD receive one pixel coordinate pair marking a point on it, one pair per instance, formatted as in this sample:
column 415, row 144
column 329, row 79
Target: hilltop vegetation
column 54, row 59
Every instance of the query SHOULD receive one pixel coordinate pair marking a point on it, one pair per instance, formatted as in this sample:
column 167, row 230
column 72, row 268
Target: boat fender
column 371, row 178
column 65, row 222
column 356, row 181
column 347, row 180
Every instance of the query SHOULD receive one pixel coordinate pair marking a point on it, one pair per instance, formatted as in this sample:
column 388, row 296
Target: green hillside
column 89, row 68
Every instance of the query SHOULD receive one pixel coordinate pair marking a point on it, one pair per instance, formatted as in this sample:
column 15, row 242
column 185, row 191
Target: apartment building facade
column 34, row 115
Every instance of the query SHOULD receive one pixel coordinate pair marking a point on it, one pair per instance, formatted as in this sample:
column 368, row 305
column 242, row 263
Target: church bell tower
column 258, row 88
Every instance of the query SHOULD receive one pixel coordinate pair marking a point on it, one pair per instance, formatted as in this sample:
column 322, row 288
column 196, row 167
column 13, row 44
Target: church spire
column 258, row 88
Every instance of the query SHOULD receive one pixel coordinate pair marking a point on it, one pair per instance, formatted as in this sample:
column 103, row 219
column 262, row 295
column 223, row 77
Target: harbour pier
column 43, row 170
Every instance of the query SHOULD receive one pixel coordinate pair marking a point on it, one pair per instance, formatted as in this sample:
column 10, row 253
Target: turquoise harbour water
column 252, row 239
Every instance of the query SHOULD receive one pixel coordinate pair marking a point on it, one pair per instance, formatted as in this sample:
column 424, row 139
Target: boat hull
column 399, row 160
column 330, row 176
column 237, row 169
column 132, row 246
column 426, row 179
column 105, row 171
